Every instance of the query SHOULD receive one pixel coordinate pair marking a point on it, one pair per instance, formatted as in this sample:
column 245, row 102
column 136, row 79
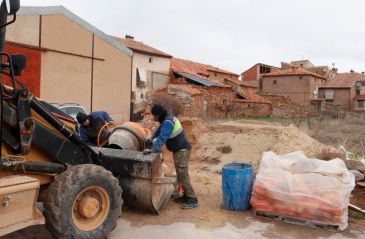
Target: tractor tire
column 84, row 202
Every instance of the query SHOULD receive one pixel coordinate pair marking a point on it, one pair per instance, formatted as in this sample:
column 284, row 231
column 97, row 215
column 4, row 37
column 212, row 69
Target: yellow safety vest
column 177, row 128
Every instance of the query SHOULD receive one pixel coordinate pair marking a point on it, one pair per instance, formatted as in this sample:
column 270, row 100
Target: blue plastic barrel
column 237, row 181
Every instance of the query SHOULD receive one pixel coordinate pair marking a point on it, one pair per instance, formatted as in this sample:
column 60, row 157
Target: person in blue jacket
column 171, row 133
column 90, row 126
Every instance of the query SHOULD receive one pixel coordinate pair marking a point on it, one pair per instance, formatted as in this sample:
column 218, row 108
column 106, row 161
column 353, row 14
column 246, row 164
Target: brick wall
column 277, row 100
column 238, row 109
column 217, row 103
column 31, row 75
column 292, row 110
column 250, row 74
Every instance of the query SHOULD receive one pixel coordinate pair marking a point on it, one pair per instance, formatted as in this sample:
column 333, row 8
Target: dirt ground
column 214, row 146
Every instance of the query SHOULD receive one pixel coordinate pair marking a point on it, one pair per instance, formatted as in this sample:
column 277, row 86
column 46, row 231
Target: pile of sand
column 292, row 139
column 241, row 141
column 245, row 141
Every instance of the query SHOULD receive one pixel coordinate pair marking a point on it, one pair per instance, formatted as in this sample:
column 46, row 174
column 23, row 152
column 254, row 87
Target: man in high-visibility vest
column 171, row 133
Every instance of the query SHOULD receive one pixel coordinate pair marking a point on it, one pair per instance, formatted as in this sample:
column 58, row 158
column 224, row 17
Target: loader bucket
column 141, row 177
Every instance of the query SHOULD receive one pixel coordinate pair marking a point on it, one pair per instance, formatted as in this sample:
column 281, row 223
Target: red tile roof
column 247, row 84
column 252, row 97
column 344, row 80
column 216, row 69
column 359, row 97
column 295, row 71
column 194, row 68
column 186, row 88
column 140, row 47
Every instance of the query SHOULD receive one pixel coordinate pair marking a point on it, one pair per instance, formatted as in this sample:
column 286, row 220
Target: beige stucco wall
column 141, row 61
column 112, row 81
column 59, row 32
column 25, row 30
column 342, row 97
column 65, row 79
column 300, row 90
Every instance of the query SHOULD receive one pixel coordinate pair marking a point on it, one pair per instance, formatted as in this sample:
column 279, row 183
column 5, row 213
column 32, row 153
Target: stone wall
column 292, row 110
column 216, row 103
column 233, row 109
column 276, row 100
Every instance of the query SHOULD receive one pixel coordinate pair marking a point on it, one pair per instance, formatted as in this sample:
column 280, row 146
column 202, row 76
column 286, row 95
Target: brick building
column 325, row 71
column 202, row 95
column 254, row 73
column 150, row 71
column 299, row 84
column 241, row 86
column 203, row 71
column 346, row 90
column 219, row 102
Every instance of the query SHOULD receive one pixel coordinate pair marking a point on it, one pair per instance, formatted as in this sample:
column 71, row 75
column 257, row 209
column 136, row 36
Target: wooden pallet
column 296, row 221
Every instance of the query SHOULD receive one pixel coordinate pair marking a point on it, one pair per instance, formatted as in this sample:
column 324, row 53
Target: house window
column 329, row 94
column 300, row 77
column 357, row 91
column 215, row 74
column 142, row 96
column 150, row 60
column 360, row 104
column 141, row 77
column 275, row 82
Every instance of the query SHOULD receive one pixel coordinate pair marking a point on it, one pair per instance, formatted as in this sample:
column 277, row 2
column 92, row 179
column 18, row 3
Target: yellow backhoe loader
column 44, row 160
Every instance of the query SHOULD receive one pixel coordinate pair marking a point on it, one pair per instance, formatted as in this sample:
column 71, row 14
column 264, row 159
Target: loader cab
column 12, row 6
column 15, row 64
column 7, row 8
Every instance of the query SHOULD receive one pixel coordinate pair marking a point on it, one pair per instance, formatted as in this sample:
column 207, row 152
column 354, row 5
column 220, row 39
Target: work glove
column 149, row 151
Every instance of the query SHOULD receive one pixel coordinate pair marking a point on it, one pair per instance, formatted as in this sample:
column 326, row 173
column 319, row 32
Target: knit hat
column 158, row 110
column 81, row 117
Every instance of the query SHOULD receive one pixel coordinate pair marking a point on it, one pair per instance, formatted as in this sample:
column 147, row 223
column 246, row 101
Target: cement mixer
column 151, row 189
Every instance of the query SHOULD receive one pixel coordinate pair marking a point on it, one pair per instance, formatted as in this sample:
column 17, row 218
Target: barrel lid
column 237, row 166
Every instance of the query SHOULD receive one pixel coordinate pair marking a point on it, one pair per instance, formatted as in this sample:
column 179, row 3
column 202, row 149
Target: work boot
column 190, row 203
column 181, row 199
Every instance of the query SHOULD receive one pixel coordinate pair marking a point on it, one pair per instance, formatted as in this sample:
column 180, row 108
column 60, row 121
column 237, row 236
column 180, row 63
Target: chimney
column 352, row 71
column 130, row 37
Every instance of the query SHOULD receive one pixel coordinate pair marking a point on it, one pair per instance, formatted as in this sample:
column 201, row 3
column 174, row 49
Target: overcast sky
column 236, row 34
